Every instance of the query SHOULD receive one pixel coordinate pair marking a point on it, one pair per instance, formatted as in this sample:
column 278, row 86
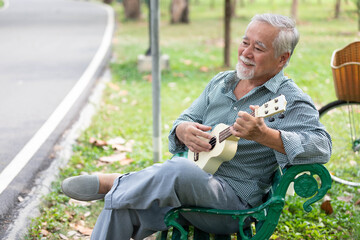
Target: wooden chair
column 345, row 64
column 310, row 181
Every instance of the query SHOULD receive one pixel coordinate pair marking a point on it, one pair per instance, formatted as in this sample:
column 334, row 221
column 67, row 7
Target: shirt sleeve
column 304, row 137
column 194, row 113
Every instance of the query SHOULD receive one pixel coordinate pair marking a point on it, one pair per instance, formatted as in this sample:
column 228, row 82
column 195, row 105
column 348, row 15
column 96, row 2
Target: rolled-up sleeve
column 304, row 137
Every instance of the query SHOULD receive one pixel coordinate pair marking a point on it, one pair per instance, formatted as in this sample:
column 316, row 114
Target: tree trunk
column 337, row 9
column 227, row 33
column 358, row 12
column 233, row 8
column 179, row 11
column 294, row 10
column 132, row 9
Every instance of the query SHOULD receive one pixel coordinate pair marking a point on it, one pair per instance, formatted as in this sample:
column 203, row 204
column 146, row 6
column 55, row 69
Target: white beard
column 242, row 72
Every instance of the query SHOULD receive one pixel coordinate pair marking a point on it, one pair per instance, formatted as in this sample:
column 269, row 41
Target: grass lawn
column 196, row 55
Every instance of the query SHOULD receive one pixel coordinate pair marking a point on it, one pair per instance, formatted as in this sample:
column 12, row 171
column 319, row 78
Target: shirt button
column 235, row 108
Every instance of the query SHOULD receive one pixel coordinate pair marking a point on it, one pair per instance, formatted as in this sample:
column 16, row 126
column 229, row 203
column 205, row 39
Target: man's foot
column 88, row 187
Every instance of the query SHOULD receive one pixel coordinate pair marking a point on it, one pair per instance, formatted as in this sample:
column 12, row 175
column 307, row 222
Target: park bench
column 310, row 181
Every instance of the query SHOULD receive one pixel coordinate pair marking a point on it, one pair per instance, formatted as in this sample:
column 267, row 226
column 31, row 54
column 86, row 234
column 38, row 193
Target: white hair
column 288, row 35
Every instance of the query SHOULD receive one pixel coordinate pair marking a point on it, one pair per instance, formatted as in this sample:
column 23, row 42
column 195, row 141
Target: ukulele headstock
column 272, row 107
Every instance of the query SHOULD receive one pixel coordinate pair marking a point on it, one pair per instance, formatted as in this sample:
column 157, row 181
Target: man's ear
column 283, row 59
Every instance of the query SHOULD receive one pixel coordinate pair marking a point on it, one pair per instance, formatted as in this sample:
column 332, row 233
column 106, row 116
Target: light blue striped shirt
column 249, row 172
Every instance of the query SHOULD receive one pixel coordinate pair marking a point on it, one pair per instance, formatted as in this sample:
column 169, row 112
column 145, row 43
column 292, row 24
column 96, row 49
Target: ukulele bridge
column 212, row 143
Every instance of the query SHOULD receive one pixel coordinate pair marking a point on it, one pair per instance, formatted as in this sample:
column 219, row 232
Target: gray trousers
column 137, row 203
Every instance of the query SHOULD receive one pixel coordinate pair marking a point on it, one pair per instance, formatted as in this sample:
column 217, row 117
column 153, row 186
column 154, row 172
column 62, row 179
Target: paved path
column 51, row 52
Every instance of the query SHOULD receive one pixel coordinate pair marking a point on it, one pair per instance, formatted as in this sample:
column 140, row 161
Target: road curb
column 28, row 209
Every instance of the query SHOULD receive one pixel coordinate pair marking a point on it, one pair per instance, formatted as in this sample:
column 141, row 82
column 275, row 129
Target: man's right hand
column 194, row 136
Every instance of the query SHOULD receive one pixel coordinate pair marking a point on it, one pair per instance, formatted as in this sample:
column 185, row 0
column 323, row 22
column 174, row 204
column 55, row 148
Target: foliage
column 196, row 55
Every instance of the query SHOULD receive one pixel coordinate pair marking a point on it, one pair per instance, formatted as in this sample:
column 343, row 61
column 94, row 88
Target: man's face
column 256, row 56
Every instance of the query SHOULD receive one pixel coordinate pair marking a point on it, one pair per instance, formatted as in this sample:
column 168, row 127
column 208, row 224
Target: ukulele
column 224, row 144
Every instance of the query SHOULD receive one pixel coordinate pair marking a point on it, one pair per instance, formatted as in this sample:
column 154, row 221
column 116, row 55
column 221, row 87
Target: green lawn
column 196, row 54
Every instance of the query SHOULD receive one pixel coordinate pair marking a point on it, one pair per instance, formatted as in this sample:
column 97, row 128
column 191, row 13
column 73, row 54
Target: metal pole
column 156, row 79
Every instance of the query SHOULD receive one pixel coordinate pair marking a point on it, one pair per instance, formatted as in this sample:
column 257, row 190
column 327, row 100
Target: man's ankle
column 106, row 182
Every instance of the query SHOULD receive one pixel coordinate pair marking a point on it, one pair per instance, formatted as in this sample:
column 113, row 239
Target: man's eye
column 245, row 43
column 258, row 49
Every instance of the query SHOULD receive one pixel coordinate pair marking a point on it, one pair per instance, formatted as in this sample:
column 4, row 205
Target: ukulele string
column 224, row 134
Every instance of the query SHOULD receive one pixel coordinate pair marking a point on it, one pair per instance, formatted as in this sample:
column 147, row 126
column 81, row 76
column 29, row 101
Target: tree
column 337, row 8
column 179, row 10
column 294, row 9
column 358, row 13
column 132, row 9
column 227, row 32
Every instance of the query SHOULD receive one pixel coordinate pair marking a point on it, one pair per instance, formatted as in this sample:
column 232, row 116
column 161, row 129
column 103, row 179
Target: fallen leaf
column 345, row 198
column 100, row 164
column 79, row 203
column 123, row 93
column 180, row 75
column 97, row 142
column 327, row 198
column 117, row 140
column 357, row 202
column 113, row 86
column 348, row 213
column 353, row 163
column 148, row 77
column 121, row 148
column 87, row 214
column 113, row 108
column 71, row 233
column 79, row 166
column 81, row 228
column 44, row 232
column 187, row 62
column 204, row 69
column 113, row 158
column 62, row 236
column 126, row 161
column 187, row 99
column 70, row 215
column 84, row 230
column 172, row 85
column 326, row 206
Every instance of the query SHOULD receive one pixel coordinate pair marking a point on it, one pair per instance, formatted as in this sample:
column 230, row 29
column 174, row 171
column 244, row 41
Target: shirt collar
column 272, row 84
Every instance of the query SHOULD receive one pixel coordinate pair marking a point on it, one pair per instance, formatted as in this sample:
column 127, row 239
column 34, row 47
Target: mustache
column 247, row 61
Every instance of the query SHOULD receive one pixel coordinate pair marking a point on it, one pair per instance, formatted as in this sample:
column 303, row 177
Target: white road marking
column 33, row 145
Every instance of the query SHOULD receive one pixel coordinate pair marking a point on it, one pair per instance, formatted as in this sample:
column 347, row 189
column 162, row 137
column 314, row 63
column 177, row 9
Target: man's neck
column 245, row 86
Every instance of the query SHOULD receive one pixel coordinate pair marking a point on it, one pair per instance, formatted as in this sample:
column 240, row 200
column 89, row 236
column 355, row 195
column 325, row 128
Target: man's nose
column 247, row 52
